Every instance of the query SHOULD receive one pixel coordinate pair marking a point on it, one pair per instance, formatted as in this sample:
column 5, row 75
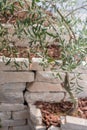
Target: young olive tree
column 50, row 22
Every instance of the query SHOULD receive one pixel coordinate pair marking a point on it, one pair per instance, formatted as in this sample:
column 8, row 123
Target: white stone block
column 35, row 115
column 5, row 115
column 24, row 114
column 11, row 97
column 54, row 128
column 43, row 96
column 40, row 128
column 16, row 77
column 73, row 123
column 11, row 107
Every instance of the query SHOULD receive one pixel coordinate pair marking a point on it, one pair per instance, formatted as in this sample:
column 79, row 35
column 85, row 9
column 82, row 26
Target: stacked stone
column 47, row 88
column 14, row 114
column 19, row 91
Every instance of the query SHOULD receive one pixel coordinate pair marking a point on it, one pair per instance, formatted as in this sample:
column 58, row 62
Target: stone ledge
column 43, row 96
column 43, row 87
column 23, row 63
column 35, row 115
column 47, row 76
column 36, row 65
column 73, row 123
column 14, row 77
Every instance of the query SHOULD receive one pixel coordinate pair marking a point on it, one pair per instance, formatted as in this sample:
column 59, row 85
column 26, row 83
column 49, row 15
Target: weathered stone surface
column 11, row 107
column 10, row 128
column 13, row 122
column 43, row 87
column 82, row 68
column 24, row 114
column 22, row 62
column 14, row 77
column 23, row 42
column 43, row 96
column 5, row 115
column 26, row 127
column 73, row 123
column 40, row 128
column 13, row 87
column 4, row 128
column 53, row 128
column 83, row 93
column 35, row 115
column 31, row 125
column 48, row 76
column 36, row 65
column 11, row 97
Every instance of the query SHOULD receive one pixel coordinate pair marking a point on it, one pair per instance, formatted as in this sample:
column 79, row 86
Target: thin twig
column 75, row 10
column 67, row 25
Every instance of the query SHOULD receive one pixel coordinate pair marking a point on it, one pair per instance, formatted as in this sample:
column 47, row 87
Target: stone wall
column 19, row 90
column 14, row 113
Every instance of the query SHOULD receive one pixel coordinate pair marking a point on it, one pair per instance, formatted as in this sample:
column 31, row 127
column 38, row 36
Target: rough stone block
column 11, row 97
column 24, row 114
column 26, row 127
column 43, row 87
column 40, row 128
column 31, row 125
column 15, row 77
column 43, row 96
column 10, row 128
column 82, row 68
column 36, row 65
column 54, row 128
column 23, row 42
column 73, row 123
column 13, row 87
column 83, row 93
column 11, row 107
column 35, row 115
column 5, row 115
column 13, row 123
column 4, row 128
column 48, row 76
column 22, row 62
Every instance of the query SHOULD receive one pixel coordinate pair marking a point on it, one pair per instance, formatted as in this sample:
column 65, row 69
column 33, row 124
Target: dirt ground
column 51, row 112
